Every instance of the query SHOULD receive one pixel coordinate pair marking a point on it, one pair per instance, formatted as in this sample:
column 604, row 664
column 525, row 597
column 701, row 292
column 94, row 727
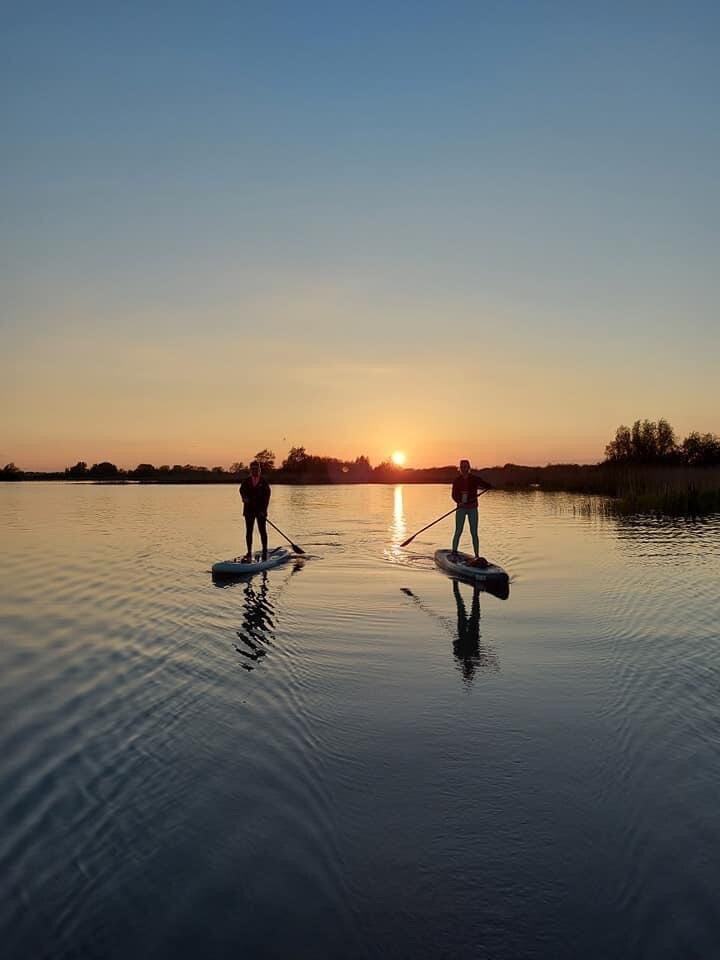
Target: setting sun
column 398, row 458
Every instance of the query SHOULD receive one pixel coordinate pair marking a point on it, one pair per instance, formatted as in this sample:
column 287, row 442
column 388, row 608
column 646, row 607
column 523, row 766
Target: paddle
column 410, row 539
column 295, row 547
column 454, row 510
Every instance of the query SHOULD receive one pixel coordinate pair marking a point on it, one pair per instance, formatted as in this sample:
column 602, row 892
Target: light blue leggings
column 472, row 516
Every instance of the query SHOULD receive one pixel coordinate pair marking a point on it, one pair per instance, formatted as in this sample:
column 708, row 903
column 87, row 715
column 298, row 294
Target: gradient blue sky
column 482, row 229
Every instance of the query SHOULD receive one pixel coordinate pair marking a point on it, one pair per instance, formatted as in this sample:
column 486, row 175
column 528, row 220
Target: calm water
column 411, row 769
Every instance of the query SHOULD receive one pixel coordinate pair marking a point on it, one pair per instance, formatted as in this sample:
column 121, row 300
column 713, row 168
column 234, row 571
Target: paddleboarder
column 465, row 494
column 255, row 493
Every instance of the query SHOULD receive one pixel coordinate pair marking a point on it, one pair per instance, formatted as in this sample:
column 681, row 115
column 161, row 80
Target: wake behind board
column 462, row 566
column 275, row 558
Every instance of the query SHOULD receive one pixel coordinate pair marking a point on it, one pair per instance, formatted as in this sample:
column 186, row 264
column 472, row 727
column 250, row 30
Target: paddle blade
column 409, row 540
column 297, row 549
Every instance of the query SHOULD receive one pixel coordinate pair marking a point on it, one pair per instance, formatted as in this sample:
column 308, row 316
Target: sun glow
column 398, row 458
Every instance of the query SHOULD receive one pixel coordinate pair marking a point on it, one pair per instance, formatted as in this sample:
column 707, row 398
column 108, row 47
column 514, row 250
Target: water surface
column 354, row 756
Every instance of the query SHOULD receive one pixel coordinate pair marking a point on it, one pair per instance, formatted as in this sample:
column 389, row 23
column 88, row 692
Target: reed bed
column 668, row 490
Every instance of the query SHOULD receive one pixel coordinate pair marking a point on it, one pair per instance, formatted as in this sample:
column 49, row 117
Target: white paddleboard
column 459, row 565
column 275, row 558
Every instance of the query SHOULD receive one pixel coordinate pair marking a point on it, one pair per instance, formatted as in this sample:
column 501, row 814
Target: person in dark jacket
column 465, row 494
column 255, row 493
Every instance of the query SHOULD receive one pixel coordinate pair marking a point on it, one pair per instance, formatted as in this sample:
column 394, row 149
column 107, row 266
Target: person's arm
column 243, row 496
column 268, row 493
column 455, row 492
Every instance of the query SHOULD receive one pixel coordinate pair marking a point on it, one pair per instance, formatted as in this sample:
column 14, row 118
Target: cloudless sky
column 458, row 229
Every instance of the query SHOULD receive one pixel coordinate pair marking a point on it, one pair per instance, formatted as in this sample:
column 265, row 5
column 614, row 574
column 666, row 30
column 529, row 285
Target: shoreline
column 664, row 490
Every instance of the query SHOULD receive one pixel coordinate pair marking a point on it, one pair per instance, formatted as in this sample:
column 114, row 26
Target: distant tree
column 78, row 472
column 297, row 460
column 165, row 468
column 103, row 471
column 218, row 470
column 266, row 459
column 666, row 445
column 619, row 449
column 323, row 468
column 644, row 442
column 643, row 439
column 10, row 472
column 237, row 467
column 387, row 470
column 358, row 469
column 701, row 449
column 144, row 471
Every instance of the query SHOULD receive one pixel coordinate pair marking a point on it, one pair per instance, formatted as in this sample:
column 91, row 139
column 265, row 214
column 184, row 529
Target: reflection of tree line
column 471, row 655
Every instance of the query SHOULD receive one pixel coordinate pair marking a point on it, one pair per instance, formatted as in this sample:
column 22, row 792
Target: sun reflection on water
column 398, row 526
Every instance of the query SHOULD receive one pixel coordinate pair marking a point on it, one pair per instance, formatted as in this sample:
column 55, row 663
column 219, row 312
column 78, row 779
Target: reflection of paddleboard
column 462, row 566
column 275, row 558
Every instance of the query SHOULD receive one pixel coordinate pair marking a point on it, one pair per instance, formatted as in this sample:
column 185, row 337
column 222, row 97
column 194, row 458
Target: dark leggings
column 262, row 530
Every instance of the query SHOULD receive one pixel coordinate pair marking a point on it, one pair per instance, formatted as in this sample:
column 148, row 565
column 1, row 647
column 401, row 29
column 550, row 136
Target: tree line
column 647, row 442
column 655, row 442
column 298, row 465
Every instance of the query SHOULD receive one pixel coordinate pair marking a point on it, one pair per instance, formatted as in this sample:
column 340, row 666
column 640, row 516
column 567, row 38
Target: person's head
column 464, row 467
column 255, row 469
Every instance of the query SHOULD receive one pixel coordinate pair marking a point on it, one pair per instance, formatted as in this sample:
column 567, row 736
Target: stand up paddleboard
column 275, row 558
column 461, row 565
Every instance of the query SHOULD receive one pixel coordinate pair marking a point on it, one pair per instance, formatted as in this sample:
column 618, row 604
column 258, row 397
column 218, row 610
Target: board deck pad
column 462, row 565
column 275, row 558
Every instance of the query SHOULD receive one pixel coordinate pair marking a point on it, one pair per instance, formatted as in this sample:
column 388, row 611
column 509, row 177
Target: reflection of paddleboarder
column 469, row 654
column 465, row 494
column 466, row 646
column 257, row 630
column 255, row 493
column 258, row 625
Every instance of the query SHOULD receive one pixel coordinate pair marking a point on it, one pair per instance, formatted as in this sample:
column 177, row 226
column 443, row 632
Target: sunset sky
column 484, row 229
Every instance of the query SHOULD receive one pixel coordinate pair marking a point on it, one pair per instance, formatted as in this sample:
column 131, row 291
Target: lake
column 412, row 768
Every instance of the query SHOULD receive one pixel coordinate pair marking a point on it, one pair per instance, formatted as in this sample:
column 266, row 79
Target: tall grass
column 670, row 490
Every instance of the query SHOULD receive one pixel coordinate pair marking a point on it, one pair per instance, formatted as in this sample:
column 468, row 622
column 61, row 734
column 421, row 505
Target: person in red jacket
column 465, row 494
column 255, row 493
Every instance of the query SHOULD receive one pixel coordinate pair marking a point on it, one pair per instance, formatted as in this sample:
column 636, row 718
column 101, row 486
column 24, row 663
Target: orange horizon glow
column 29, row 458
column 125, row 397
column 434, row 444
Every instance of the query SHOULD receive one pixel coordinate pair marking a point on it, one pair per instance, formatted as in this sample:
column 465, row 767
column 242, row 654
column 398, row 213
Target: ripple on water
column 407, row 766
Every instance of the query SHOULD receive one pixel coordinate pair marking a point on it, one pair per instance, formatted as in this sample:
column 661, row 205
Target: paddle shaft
column 454, row 510
column 410, row 539
column 295, row 547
